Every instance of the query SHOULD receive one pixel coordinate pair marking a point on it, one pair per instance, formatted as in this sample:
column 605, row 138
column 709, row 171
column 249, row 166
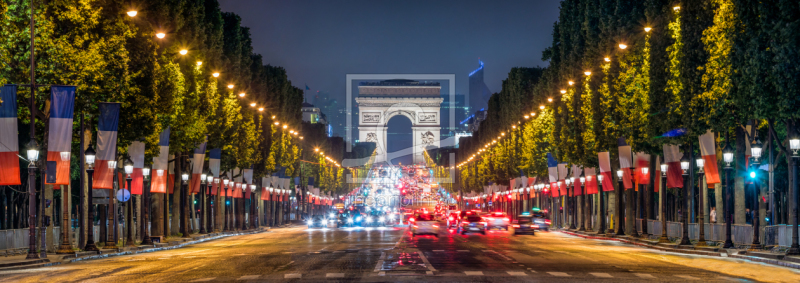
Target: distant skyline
column 319, row 42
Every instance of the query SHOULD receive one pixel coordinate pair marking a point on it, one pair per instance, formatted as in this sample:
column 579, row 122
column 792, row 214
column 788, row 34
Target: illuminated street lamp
column 33, row 156
column 620, row 218
column 127, row 165
column 89, row 155
column 794, row 145
column 160, row 35
column 132, row 13
column 183, row 51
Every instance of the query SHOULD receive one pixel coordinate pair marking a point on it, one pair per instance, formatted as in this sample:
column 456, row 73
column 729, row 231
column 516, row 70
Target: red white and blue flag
column 9, row 146
column 576, row 175
column 214, row 156
column 59, row 139
column 106, row 145
column 672, row 156
column 136, row 151
column 604, row 159
column 197, row 167
column 591, row 180
column 642, row 161
column 709, row 153
column 552, row 172
column 160, row 164
column 625, row 162
column 562, row 176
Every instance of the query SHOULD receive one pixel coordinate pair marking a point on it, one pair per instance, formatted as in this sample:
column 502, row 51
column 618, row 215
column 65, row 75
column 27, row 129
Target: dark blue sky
column 319, row 42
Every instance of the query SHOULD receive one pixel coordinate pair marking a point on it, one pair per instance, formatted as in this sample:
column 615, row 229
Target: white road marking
column 601, row 275
column 248, row 277
column 516, row 273
column 438, row 251
column 687, row 277
column 427, row 263
column 473, row 273
column 379, row 265
column 292, row 275
column 285, row 265
column 463, row 251
column 382, row 273
column 560, row 274
column 203, row 279
column 335, row 275
column 645, row 275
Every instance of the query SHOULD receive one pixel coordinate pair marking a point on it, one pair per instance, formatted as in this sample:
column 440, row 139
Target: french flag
column 59, row 140
column 709, row 153
column 625, row 162
column 576, row 173
column 265, row 184
column 672, row 156
column 106, row 145
column 604, row 159
column 248, row 178
column 214, row 156
column 136, row 151
column 158, row 183
column 552, row 172
column 562, row 175
column 591, row 180
column 642, row 161
column 197, row 167
column 9, row 146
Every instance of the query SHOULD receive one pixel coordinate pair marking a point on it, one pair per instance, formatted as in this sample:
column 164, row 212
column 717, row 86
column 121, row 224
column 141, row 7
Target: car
column 497, row 220
column 541, row 219
column 524, row 225
column 472, row 223
column 452, row 219
column 317, row 221
column 424, row 223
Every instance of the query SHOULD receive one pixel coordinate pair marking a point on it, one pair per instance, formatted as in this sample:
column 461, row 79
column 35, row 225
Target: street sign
column 123, row 195
column 490, row 203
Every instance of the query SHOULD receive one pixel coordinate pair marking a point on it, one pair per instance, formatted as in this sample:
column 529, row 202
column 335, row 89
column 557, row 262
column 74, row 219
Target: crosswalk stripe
column 602, row 275
column 473, row 273
column 645, row 275
column 334, row 275
column 516, row 273
column 203, row 279
column 559, row 274
column 248, row 277
column 687, row 277
column 438, row 251
column 292, row 275
column 463, row 251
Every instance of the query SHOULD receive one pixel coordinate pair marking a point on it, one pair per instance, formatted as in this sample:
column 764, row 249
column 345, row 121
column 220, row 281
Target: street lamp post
column 146, row 240
column 686, row 166
column 601, row 216
column 128, row 167
column 701, row 240
column 89, row 155
column 225, row 205
column 33, row 156
column 585, row 224
column 111, row 217
column 794, row 144
column 663, row 200
column 183, row 204
column 620, row 218
column 571, row 203
column 203, row 188
column 756, row 148
column 727, row 156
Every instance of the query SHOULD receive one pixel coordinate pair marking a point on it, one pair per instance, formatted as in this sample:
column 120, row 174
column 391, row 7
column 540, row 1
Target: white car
column 424, row 223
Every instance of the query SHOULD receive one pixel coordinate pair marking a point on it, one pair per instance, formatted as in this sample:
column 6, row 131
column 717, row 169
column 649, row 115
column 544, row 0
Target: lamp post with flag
column 701, row 241
column 128, row 167
column 686, row 166
column 89, row 155
column 146, row 240
column 618, row 200
column 663, row 200
column 204, row 181
column 601, row 216
column 756, row 149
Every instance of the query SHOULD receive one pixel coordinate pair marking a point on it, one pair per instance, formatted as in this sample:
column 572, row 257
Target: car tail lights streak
column 534, row 226
column 411, row 219
column 506, row 219
column 435, row 226
column 547, row 221
column 451, row 218
column 515, row 226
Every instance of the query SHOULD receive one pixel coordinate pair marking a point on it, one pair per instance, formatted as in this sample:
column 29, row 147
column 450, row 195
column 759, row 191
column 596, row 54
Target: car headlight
column 349, row 220
column 331, row 215
column 310, row 222
column 382, row 219
column 358, row 218
column 369, row 219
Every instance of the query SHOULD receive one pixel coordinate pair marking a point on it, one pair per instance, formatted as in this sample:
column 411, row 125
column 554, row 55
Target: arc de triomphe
column 420, row 102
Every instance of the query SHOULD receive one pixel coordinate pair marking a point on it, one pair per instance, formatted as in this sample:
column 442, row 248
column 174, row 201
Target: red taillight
column 465, row 222
column 534, row 226
column 435, row 226
column 515, row 226
column 452, row 218
column 547, row 222
column 415, row 226
column 411, row 219
column 506, row 219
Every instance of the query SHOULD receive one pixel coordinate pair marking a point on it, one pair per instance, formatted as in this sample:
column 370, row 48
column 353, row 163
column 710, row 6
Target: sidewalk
column 19, row 262
column 759, row 256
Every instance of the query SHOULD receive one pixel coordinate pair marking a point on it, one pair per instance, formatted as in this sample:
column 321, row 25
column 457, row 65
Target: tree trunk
column 738, row 187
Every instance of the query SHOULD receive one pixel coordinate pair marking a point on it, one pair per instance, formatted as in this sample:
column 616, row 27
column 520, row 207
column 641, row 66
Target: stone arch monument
column 418, row 101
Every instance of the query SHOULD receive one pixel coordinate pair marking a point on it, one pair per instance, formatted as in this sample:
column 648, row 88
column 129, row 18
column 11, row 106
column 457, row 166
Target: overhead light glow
column 607, row 59
column 241, row 94
column 160, row 35
column 622, row 46
column 184, row 51
column 647, row 29
column 132, row 13
column 216, row 75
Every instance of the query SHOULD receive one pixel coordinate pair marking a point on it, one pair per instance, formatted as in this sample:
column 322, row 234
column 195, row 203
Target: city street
column 392, row 254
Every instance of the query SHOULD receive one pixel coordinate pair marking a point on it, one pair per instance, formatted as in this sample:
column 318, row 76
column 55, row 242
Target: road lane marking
column 645, row 275
column 427, row 263
column 334, row 275
column 379, row 265
column 559, row 274
column 687, row 277
column 204, row 279
column 248, row 277
column 601, row 275
column 430, row 273
column 516, row 273
column 382, row 273
column 292, row 275
column 473, row 273
column 463, row 251
column 438, row 251
column 285, row 265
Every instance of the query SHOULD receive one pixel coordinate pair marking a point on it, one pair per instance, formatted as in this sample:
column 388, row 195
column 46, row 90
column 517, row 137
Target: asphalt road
column 393, row 254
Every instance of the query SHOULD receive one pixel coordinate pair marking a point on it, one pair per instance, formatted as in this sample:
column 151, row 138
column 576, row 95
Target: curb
column 694, row 252
column 101, row 256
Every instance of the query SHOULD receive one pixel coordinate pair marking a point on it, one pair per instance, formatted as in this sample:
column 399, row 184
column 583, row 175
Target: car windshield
column 524, row 219
column 317, row 217
column 425, row 217
column 473, row 218
column 539, row 215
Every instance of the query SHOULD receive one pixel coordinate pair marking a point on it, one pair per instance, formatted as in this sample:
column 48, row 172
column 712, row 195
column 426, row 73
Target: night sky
column 319, row 42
